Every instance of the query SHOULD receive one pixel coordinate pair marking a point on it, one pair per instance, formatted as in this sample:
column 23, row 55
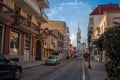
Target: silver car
column 53, row 59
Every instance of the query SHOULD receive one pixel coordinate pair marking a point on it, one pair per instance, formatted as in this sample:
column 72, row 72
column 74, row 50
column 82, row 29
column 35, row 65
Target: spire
column 79, row 28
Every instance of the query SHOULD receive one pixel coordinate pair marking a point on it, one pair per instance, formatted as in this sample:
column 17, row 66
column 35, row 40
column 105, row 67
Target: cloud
column 72, row 12
column 83, row 39
column 67, row 7
column 73, row 39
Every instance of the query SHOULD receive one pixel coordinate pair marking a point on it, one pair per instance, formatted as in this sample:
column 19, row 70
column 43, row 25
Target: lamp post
column 89, row 41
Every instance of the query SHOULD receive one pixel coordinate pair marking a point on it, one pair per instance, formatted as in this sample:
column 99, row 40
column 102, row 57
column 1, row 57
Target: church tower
column 78, row 39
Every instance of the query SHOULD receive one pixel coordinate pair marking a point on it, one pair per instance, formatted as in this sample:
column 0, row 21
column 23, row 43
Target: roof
column 104, row 7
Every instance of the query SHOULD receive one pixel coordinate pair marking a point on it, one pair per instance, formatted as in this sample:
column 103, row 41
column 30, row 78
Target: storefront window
column 14, row 43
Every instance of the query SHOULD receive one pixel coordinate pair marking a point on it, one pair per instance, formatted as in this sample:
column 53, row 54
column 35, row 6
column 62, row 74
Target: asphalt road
column 68, row 70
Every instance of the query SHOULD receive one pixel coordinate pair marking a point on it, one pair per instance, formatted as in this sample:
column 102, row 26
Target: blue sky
column 74, row 12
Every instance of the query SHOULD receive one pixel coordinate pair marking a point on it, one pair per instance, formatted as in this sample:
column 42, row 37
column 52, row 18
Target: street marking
column 83, row 76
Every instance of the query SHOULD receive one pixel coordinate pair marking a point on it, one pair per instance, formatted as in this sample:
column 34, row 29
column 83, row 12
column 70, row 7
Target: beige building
column 98, row 23
column 20, row 22
column 58, row 29
column 59, row 25
column 50, row 42
column 109, row 19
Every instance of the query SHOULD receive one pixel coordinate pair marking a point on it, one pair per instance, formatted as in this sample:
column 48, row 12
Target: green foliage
column 110, row 42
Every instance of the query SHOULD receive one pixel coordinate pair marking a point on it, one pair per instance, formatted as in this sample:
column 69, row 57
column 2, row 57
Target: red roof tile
column 101, row 8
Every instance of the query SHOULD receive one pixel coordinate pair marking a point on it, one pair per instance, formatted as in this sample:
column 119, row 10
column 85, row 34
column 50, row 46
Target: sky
column 74, row 13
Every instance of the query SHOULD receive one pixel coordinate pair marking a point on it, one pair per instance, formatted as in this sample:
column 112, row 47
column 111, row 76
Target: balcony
column 43, row 18
column 43, row 3
column 23, row 24
column 29, row 6
column 6, row 14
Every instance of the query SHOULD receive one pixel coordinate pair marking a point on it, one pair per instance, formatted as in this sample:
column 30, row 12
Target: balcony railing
column 25, row 22
column 35, row 27
column 6, row 11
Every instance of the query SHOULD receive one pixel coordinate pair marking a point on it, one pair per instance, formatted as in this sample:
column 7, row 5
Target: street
column 68, row 70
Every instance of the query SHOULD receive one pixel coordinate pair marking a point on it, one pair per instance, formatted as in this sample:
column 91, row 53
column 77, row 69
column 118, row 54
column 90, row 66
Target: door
column 27, row 48
column 38, row 50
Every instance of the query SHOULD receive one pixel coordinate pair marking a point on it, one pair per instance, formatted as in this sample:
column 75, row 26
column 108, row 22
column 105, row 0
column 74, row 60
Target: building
column 110, row 19
column 78, row 39
column 66, row 42
column 59, row 43
column 59, row 29
column 20, row 22
column 50, row 42
column 94, row 19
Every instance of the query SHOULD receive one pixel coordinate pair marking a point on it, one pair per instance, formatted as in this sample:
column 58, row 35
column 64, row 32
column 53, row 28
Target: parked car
column 9, row 69
column 53, row 59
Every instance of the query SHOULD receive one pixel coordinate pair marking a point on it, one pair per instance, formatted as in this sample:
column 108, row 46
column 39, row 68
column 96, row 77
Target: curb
column 31, row 67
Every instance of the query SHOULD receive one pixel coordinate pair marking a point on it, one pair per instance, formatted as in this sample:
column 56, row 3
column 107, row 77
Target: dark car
column 9, row 69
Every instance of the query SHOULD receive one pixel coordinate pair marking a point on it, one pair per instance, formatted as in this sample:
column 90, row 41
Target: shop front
column 14, row 43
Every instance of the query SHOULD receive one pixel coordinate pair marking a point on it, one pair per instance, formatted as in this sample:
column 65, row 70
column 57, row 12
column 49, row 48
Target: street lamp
column 89, row 41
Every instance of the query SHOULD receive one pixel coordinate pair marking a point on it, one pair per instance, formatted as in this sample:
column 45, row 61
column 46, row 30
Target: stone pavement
column 97, row 71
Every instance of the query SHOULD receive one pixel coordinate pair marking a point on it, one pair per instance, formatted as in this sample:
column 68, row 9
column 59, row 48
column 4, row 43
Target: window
column 14, row 42
column 27, row 42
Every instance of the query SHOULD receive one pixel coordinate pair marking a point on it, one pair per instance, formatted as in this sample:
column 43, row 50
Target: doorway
column 38, row 50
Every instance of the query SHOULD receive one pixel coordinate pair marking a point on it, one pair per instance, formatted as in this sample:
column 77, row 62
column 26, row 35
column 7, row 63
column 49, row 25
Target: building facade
column 20, row 22
column 99, row 20
column 66, row 42
column 59, row 29
column 78, row 39
column 109, row 19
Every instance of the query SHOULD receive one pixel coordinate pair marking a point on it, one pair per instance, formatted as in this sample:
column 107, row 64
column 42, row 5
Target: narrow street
column 68, row 70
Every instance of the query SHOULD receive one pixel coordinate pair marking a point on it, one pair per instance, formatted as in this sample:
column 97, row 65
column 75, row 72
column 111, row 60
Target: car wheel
column 17, row 74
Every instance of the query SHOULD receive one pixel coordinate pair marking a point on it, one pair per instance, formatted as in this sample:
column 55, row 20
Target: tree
column 110, row 42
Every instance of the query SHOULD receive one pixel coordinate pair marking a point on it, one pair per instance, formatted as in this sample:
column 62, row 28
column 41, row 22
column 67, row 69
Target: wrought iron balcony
column 23, row 21
column 6, row 15
column 25, row 25
column 35, row 28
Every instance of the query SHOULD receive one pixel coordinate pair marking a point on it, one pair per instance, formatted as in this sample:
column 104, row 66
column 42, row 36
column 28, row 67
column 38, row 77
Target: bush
column 110, row 42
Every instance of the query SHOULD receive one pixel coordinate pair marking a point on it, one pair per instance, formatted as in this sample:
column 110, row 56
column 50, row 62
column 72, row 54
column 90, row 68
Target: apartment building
column 66, row 46
column 58, row 28
column 50, row 44
column 20, row 23
column 95, row 18
column 110, row 19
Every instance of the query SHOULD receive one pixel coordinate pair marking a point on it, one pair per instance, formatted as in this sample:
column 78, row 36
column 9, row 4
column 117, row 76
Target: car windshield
column 52, row 57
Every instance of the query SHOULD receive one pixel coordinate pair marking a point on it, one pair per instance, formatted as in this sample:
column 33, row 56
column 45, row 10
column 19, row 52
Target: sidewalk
column 97, row 71
column 31, row 64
